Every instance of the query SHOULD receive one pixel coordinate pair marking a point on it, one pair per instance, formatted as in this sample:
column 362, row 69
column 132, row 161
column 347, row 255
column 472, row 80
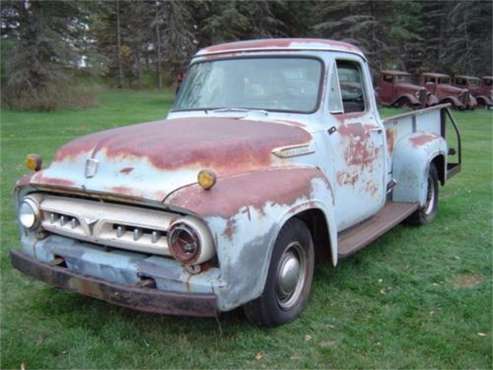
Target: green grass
column 417, row 298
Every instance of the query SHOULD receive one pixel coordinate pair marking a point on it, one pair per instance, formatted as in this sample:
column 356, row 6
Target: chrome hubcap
column 430, row 196
column 291, row 275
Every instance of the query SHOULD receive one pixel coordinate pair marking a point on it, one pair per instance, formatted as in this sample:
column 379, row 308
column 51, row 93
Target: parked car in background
column 396, row 88
column 273, row 156
column 439, row 84
column 480, row 88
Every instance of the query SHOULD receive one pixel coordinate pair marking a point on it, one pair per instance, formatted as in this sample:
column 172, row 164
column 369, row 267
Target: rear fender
column 245, row 214
column 411, row 162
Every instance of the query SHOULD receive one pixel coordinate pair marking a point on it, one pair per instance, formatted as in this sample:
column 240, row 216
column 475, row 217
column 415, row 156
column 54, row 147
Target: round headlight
column 190, row 241
column 184, row 243
column 28, row 213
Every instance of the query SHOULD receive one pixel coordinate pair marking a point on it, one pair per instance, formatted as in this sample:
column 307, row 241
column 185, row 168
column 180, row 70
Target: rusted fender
column 411, row 162
column 483, row 99
column 410, row 97
column 245, row 213
column 454, row 100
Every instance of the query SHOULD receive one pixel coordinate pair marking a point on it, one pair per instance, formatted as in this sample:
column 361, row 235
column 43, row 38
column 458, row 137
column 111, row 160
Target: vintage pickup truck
column 481, row 89
column 396, row 88
column 440, row 85
column 266, row 164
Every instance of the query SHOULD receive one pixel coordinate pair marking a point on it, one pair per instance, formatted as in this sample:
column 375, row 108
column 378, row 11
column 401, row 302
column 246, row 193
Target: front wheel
column 289, row 278
column 428, row 212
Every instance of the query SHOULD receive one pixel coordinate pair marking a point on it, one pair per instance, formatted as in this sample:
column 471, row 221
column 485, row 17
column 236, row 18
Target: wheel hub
column 288, row 274
column 291, row 275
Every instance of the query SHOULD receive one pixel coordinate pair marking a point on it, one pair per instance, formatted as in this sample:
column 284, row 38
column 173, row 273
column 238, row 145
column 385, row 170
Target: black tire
column 428, row 212
column 274, row 308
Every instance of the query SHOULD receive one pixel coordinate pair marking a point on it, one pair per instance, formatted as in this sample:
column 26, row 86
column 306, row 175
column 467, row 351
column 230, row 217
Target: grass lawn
column 417, row 298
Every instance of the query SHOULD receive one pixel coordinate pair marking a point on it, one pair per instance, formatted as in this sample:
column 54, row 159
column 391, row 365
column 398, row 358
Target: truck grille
column 120, row 226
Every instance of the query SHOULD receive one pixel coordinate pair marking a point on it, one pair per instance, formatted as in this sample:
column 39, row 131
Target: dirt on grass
column 467, row 280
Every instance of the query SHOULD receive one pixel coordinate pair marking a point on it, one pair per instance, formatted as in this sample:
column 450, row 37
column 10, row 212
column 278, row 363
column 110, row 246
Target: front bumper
column 142, row 299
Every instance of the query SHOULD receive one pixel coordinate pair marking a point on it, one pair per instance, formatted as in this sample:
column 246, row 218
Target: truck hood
column 150, row 160
column 452, row 90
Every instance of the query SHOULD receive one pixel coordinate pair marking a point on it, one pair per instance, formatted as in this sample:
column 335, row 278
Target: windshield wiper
column 241, row 110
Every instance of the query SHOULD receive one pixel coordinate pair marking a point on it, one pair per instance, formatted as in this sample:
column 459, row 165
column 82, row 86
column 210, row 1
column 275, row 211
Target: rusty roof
column 467, row 77
column 433, row 74
column 395, row 72
column 281, row 44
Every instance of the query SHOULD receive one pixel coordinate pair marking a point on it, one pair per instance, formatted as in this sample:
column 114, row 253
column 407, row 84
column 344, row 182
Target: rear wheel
column 428, row 211
column 289, row 278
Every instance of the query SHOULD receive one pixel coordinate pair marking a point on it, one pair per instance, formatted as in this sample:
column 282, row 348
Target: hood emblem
column 91, row 167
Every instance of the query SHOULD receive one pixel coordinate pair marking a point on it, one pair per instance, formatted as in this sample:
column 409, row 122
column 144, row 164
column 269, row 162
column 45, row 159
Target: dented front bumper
column 142, row 299
column 116, row 276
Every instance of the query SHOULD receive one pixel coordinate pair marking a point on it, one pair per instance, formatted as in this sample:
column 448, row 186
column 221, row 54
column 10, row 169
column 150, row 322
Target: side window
column 351, row 85
column 388, row 78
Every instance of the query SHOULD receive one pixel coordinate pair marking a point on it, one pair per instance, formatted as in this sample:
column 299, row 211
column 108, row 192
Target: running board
column 359, row 236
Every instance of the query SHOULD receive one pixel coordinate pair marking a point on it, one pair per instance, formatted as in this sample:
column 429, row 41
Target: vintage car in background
column 396, row 88
column 480, row 88
column 439, row 84
column 274, row 156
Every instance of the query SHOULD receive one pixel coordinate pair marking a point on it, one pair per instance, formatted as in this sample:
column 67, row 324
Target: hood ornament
column 91, row 167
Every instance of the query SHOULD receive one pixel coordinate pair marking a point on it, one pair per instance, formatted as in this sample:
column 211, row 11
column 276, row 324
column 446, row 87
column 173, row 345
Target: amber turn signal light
column 206, row 179
column 34, row 162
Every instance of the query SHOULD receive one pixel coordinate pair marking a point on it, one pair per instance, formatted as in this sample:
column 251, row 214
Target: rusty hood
column 150, row 160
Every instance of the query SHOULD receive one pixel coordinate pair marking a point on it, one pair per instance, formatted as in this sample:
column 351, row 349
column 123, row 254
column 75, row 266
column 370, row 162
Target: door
column 357, row 145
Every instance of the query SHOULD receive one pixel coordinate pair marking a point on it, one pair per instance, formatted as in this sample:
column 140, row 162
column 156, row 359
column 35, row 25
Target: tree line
column 136, row 44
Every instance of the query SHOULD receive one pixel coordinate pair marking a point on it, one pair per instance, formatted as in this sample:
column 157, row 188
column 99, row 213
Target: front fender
column 483, row 99
column 412, row 99
column 432, row 100
column 245, row 214
column 410, row 165
column 452, row 99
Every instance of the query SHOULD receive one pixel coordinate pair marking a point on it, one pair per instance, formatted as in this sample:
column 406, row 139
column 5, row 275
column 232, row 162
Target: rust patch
column 51, row 181
column 371, row 188
column 390, row 133
column 420, row 140
column 276, row 44
column 126, row 170
column 224, row 144
column 230, row 229
column 346, row 178
column 124, row 191
column 359, row 151
column 254, row 189
column 467, row 280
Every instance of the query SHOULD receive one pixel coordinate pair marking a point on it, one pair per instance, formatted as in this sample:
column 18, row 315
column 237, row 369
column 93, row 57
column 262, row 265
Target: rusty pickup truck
column 396, row 88
column 440, row 85
column 273, row 157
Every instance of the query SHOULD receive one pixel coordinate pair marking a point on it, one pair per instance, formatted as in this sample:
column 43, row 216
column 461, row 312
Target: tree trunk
column 119, row 45
column 158, row 48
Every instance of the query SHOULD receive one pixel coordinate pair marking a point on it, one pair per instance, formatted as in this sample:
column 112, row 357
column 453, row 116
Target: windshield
column 473, row 82
column 278, row 84
column 403, row 78
column 444, row 80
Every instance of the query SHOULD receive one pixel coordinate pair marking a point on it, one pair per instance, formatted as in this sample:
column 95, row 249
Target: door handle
column 378, row 130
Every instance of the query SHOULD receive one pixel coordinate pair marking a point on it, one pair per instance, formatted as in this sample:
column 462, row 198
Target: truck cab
column 396, row 88
column 480, row 88
column 273, row 156
column 440, row 85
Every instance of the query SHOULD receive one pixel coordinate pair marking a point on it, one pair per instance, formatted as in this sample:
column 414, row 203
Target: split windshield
column 277, row 84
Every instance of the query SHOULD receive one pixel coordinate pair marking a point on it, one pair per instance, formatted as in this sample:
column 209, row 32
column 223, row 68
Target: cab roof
column 281, row 44
column 395, row 72
column 467, row 77
column 431, row 74
column 487, row 77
